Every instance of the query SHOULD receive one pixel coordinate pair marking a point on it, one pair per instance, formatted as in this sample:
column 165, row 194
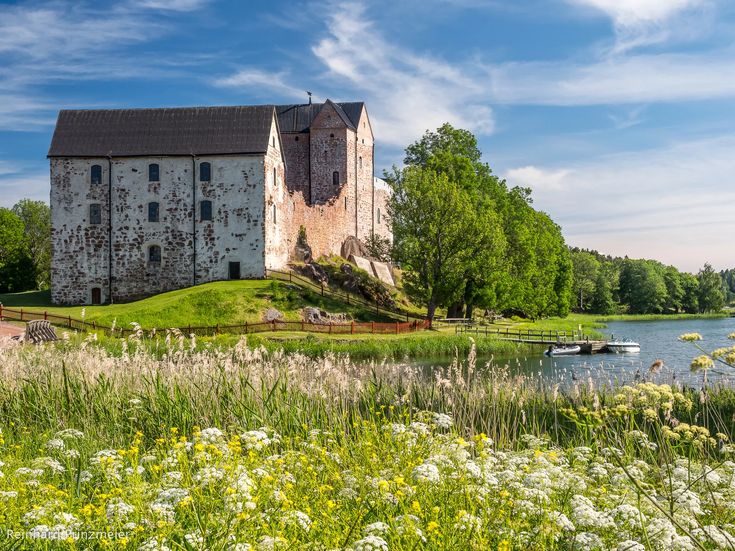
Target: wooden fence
column 241, row 329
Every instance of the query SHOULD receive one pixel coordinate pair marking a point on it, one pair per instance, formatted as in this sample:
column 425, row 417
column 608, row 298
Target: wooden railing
column 523, row 334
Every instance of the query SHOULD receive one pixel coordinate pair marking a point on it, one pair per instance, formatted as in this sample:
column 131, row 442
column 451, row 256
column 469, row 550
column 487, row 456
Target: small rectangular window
column 153, row 173
column 205, row 172
column 205, row 210
column 95, row 175
column 95, row 213
column 335, row 178
column 153, row 212
column 154, row 253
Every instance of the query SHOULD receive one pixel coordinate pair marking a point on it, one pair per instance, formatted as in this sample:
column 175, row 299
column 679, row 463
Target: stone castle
column 150, row 200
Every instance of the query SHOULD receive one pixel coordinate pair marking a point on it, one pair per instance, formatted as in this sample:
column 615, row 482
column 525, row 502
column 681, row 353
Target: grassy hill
column 209, row 304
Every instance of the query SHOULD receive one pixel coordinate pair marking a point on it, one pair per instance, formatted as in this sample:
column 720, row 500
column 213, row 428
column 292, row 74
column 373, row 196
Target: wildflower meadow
column 239, row 448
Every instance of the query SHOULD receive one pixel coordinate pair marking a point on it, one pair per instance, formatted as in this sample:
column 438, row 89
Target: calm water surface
column 658, row 340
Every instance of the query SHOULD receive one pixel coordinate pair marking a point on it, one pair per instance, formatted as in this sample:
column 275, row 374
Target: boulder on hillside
column 314, row 271
column 353, row 246
column 271, row 314
column 317, row 315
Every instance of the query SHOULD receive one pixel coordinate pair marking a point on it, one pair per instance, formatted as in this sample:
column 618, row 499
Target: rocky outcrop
column 352, row 246
column 317, row 315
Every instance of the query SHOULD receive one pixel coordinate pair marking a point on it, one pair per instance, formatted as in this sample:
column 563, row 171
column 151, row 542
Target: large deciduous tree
column 439, row 235
column 711, row 294
column 36, row 218
column 17, row 272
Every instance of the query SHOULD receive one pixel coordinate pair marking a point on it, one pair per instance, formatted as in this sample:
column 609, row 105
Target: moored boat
column 623, row 347
column 563, row 350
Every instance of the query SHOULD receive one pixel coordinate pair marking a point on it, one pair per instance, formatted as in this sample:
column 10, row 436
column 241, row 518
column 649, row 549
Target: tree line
column 466, row 240
column 609, row 285
column 25, row 246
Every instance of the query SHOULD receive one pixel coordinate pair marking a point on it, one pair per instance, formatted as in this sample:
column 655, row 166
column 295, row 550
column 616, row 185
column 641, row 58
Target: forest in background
column 604, row 284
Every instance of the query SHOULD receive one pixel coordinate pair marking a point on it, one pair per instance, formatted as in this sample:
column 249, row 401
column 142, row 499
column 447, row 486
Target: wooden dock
column 541, row 338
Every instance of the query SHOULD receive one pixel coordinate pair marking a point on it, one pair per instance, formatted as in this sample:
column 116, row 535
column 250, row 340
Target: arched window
column 205, row 210
column 95, row 213
column 205, row 172
column 378, row 216
column 153, row 173
column 95, row 175
column 296, row 139
column 331, row 135
column 275, row 176
column 273, row 210
column 153, row 212
column 154, row 254
column 360, row 162
column 335, row 178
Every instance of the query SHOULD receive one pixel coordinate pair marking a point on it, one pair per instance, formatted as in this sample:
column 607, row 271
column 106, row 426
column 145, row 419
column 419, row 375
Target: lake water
column 658, row 340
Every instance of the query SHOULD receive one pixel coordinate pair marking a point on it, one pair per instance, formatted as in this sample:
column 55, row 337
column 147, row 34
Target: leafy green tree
column 17, row 272
column 36, row 217
column 690, row 298
column 586, row 269
column 711, row 295
column 674, row 289
column 602, row 298
column 642, row 287
column 437, row 233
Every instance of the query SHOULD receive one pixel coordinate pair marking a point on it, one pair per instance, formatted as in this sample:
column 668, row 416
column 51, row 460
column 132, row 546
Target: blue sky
column 620, row 114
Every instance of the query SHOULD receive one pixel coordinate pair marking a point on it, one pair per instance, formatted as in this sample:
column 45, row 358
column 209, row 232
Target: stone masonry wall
column 80, row 260
column 79, row 251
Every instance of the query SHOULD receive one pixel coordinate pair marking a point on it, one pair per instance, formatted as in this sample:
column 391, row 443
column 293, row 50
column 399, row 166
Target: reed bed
column 241, row 448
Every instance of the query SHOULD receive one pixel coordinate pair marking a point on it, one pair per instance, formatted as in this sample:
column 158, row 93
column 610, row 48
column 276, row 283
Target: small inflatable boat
column 561, row 350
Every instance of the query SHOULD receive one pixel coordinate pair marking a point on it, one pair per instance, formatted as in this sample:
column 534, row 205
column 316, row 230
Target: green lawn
column 222, row 302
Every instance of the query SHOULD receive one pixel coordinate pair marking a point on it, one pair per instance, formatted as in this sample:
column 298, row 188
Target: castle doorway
column 96, row 295
column 234, row 270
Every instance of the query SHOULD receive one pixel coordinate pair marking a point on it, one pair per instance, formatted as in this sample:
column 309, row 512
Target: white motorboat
column 623, row 347
column 563, row 350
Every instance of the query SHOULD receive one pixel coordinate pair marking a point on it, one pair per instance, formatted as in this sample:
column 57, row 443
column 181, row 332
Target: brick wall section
column 365, row 171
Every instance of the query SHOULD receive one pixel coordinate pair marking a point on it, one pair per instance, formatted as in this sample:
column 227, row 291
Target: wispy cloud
column 14, row 185
column 645, row 22
column 172, row 5
column 407, row 92
column 626, row 79
column 50, row 42
column 672, row 203
column 264, row 82
column 537, row 179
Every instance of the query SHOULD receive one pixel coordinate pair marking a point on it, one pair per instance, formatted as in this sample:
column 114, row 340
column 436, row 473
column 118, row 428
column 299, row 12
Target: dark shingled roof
column 298, row 118
column 167, row 131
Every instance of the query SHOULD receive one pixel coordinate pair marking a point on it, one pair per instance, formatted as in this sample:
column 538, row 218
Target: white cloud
column 173, row 5
column 621, row 79
column 408, row 93
column 672, row 203
column 645, row 22
column 14, row 187
column 633, row 12
column 537, row 179
column 50, row 42
column 263, row 81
